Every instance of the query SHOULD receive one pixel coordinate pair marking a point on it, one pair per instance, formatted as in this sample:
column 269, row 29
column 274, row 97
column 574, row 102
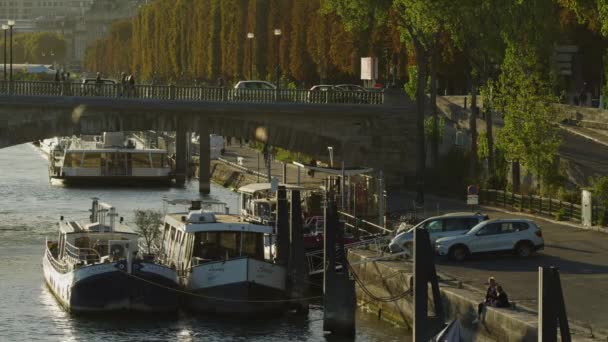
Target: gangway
column 315, row 258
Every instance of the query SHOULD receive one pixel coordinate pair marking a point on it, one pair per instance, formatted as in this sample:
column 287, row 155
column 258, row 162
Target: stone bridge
column 381, row 136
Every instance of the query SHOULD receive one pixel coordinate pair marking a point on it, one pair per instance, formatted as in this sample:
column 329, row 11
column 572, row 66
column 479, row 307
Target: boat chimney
column 95, row 210
column 195, row 205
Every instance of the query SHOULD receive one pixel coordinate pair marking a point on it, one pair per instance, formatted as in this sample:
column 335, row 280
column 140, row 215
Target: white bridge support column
column 204, row 178
column 180, row 153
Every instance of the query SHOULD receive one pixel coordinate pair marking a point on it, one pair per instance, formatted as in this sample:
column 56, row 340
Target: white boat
column 222, row 261
column 258, row 204
column 96, row 267
column 111, row 159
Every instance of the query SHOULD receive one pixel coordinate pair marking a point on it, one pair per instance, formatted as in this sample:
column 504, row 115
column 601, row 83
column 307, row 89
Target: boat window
column 229, row 244
column 140, row 160
column 179, row 237
column 92, row 160
column 253, row 245
column 212, row 246
column 72, row 160
column 172, row 233
column 158, row 160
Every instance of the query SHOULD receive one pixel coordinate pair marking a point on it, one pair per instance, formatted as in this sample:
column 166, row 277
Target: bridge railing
column 187, row 93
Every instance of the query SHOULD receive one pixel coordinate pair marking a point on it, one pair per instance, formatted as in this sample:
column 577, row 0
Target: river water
column 29, row 209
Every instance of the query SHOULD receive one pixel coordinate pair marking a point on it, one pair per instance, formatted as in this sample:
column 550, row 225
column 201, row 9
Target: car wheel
column 524, row 249
column 458, row 253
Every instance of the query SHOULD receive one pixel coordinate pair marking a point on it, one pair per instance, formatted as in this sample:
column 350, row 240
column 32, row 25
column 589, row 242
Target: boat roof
column 70, row 227
column 257, row 187
column 116, row 149
column 219, row 223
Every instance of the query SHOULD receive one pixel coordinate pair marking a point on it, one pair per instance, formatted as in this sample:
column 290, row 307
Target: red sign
column 472, row 190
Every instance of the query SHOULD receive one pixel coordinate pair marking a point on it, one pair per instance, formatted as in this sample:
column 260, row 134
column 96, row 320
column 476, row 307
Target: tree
column 525, row 97
column 418, row 22
column 148, row 226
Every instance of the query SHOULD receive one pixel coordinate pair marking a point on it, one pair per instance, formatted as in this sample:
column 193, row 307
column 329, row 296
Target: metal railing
column 546, row 206
column 188, row 93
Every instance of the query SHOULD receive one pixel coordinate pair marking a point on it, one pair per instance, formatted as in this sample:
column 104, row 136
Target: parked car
column 351, row 87
column 438, row 227
column 520, row 236
column 358, row 94
column 254, row 91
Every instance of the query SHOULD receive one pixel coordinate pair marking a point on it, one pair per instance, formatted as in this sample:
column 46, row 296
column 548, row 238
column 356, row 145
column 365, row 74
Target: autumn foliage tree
column 187, row 40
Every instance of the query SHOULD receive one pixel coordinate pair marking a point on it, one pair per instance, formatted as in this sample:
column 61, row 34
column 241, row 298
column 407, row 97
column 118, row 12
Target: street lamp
column 11, row 23
column 277, row 34
column 250, row 36
column 5, row 29
column 330, row 149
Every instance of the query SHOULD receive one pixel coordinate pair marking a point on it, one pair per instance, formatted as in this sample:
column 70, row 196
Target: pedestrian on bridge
column 123, row 84
column 132, row 85
column 98, row 83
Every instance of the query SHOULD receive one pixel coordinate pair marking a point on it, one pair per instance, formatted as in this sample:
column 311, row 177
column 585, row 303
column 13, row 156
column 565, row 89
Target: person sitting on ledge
column 491, row 296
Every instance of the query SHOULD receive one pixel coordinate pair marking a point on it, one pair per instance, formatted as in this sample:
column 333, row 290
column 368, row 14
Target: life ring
column 121, row 267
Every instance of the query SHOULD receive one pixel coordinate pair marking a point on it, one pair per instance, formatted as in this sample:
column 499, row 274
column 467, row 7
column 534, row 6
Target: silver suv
column 438, row 227
column 520, row 236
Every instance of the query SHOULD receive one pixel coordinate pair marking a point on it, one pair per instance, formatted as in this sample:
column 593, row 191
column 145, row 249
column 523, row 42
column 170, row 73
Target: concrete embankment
column 391, row 278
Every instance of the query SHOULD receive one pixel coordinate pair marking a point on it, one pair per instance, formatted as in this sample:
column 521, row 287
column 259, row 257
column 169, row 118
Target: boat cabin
column 101, row 240
column 258, row 204
column 113, row 158
column 199, row 236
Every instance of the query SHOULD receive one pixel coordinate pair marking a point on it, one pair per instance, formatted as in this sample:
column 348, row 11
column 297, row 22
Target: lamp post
column 5, row 29
column 277, row 34
column 11, row 23
column 250, row 37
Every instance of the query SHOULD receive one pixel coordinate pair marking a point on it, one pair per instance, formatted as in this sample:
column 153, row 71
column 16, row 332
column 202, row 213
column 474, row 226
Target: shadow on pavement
column 515, row 264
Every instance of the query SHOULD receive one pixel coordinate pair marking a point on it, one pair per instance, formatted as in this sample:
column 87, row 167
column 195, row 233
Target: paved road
column 581, row 255
column 590, row 157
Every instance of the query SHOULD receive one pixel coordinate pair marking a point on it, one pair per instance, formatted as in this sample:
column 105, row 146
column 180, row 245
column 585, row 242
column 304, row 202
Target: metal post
column 269, row 162
column 277, row 34
column 342, row 189
column 258, row 166
column 4, row 52
column 180, row 153
column 380, row 200
column 11, row 62
column 284, row 173
column 204, row 160
column 299, row 169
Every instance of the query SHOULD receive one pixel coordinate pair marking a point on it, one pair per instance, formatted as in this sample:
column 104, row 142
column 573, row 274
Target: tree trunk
column 515, row 176
column 420, row 103
column 490, row 136
column 435, row 136
column 473, row 128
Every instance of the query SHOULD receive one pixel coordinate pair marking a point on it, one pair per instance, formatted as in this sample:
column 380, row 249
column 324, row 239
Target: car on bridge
column 257, row 91
column 451, row 224
column 520, row 236
column 90, row 86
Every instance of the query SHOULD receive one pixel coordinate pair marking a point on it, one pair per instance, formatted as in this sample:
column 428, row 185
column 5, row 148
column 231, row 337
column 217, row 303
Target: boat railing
column 62, row 267
column 77, row 254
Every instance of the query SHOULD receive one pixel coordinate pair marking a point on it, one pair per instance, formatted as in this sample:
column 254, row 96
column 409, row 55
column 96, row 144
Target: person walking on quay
column 491, row 296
